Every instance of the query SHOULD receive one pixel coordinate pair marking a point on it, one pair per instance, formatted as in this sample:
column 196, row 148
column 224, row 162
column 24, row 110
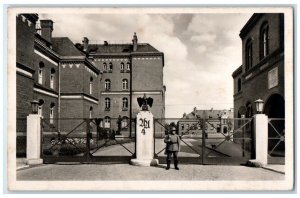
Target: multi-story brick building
column 261, row 74
column 217, row 122
column 82, row 81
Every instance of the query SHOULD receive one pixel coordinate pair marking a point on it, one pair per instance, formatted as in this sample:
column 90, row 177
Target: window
column 52, row 105
column 110, row 67
column 41, row 73
column 125, row 84
column 128, row 66
column 124, row 123
column 40, row 107
column 91, row 112
column 188, row 126
column 52, row 76
column 125, row 104
column 264, row 40
column 104, row 67
column 122, row 67
column 249, row 55
column 107, row 103
column 239, row 85
column 91, row 85
column 107, row 122
column 182, row 126
column 107, row 84
column 249, row 112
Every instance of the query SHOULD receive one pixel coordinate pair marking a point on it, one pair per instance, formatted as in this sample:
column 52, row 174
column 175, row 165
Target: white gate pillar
column 261, row 139
column 33, row 152
column 144, row 140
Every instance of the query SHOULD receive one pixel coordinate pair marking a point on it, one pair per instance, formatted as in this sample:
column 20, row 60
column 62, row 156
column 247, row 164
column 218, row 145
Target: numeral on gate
column 144, row 123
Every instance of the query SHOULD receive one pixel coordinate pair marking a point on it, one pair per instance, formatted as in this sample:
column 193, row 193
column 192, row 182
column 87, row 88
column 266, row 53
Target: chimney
column 85, row 43
column 195, row 110
column 105, row 43
column 46, row 29
column 134, row 42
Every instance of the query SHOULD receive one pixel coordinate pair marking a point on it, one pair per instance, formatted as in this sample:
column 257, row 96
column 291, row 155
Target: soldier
column 172, row 147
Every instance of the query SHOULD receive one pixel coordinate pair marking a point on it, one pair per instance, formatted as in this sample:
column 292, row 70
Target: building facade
column 76, row 81
column 261, row 75
column 216, row 122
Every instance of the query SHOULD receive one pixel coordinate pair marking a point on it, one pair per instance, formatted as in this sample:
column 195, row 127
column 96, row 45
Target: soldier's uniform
column 172, row 148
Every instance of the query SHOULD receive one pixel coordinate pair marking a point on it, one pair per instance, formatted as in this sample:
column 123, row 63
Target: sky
column 201, row 50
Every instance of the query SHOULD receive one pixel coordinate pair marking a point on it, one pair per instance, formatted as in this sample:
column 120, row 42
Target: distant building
column 261, row 74
column 216, row 121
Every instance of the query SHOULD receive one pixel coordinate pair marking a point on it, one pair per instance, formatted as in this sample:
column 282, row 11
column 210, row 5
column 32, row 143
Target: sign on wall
column 273, row 78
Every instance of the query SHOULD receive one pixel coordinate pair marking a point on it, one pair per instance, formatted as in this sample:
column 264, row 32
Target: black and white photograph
column 126, row 99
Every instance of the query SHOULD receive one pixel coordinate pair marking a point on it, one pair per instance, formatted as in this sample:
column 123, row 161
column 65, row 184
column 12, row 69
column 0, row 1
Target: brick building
column 261, row 74
column 217, row 122
column 82, row 80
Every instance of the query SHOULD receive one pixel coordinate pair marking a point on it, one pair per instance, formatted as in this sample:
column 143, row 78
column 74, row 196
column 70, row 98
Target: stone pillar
column 261, row 139
column 33, row 152
column 144, row 140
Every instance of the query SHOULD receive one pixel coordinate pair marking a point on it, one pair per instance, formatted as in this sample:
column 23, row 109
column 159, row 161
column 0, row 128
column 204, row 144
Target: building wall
column 147, row 73
column 255, row 80
column 25, row 40
column 275, row 30
column 72, row 78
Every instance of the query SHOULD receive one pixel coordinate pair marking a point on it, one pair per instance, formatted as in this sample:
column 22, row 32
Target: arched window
column 107, row 103
column 128, row 66
column 124, row 123
column 52, row 76
column 264, row 40
column 107, row 84
column 125, row 103
column 41, row 73
column 91, row 85
column 91, row 112
column 125, row 84
column 104, row 67
column 107, row 122
column 249, row 54
column 122, row 67
column 239, row 85
column 110, row 67
column 52, row 105
column 40, row 107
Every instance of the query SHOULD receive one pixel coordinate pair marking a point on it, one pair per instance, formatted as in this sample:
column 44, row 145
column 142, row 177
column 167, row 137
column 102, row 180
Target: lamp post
column 34, row 106
column 259, row 104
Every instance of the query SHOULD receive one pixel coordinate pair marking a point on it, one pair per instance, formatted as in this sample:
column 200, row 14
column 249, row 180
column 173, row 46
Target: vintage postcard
column 150, row 99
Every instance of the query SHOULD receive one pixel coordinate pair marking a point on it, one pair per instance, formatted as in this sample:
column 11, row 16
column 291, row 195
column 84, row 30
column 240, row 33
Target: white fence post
column 144, row 140
column 261, row 138
column 33, row 152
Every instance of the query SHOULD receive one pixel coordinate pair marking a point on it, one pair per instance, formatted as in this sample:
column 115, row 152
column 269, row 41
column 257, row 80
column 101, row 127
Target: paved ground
column 129, row 172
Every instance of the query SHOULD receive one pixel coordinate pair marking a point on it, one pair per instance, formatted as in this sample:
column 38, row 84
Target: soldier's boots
column 176, row 165
column 168, row 164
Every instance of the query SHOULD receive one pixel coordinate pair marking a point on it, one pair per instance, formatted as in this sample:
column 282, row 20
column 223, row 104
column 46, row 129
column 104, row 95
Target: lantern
column 34, row 106
column 259, row 104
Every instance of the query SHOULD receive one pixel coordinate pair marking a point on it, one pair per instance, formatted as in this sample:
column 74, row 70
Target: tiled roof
column 65, row 47
column 215, row 114
column 119, row 48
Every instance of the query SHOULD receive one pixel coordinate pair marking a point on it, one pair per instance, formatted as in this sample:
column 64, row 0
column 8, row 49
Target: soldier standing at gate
column 172, row 141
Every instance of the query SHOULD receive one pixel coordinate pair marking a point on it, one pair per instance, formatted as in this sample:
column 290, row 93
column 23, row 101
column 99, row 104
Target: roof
column 237, row 71
column 65, row 47
column 119, row 48
column 250, row 24
column 215, row 114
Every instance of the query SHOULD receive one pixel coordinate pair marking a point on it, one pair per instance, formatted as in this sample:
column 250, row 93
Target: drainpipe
column 58, row 116
column 130, row 92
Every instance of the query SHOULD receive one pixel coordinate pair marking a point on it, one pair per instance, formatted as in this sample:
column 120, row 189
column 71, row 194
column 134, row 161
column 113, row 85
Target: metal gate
column 276, row 141
column 87, row 140
column 208, row 141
